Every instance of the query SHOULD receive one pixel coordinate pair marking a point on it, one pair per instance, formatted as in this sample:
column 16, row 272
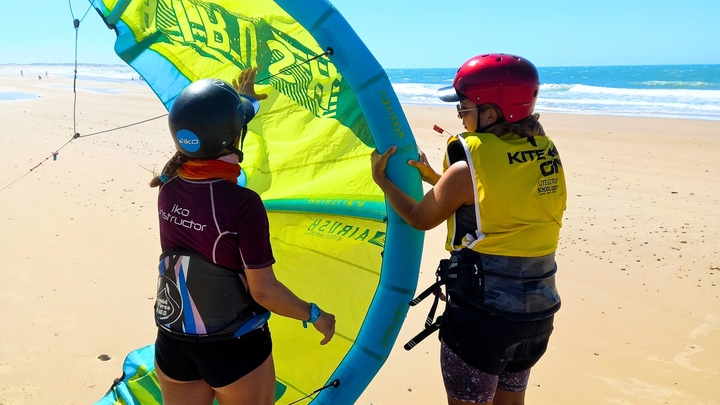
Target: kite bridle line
column 334, row 383
column 328, row 52
column 76, row 23
column 54, row 154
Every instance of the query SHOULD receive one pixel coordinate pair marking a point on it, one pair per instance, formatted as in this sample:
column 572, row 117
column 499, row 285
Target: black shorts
column 493, row 344
column 219, row 363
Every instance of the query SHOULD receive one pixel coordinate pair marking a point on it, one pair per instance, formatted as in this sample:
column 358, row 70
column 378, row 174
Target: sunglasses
column 462, row 111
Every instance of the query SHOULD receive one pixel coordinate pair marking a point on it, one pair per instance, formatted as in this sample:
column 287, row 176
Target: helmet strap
column 235, row 150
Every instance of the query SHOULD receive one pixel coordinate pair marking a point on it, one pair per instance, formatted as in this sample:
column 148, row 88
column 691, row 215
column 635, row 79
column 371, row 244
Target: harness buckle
column 443, row 267
column 469, row 276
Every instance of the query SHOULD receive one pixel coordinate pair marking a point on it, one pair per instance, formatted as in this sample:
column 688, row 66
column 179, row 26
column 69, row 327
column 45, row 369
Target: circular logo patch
column 188, row 140
column 168, row 302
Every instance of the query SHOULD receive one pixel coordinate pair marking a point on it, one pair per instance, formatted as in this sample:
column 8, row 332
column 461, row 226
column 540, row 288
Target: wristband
column 314, row 314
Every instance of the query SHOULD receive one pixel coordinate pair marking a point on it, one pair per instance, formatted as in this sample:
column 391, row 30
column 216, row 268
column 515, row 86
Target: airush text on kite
column 236, row 39
column 397, row 126
column 335, row 230
column 391, row 330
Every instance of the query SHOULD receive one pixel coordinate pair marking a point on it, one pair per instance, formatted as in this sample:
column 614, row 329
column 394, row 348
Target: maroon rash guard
column 224, row 222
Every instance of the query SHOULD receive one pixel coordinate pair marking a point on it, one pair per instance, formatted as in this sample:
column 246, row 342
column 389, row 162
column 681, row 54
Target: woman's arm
column 454, row 189
column 269, row 292
column 265, row 288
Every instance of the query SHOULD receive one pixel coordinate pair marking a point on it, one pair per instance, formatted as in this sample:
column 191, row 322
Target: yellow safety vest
column 520, row 196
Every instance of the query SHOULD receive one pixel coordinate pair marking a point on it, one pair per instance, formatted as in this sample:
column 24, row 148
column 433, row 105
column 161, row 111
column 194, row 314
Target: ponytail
column 170, row 170
column 526, row 127
column 529, row 126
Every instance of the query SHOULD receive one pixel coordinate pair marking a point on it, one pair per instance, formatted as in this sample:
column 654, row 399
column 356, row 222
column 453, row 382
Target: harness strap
column 441, row 275
column 423, row 334
column 508, row 277
column 466, row 274
column 430, row 325
column 427, row 292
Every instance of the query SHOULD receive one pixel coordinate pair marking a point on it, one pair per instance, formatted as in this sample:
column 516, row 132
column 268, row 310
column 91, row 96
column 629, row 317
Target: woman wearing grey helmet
column 502, row 193
column 216, row 286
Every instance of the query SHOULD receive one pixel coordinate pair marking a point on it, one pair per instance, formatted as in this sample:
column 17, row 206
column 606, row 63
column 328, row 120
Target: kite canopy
column 307, row 151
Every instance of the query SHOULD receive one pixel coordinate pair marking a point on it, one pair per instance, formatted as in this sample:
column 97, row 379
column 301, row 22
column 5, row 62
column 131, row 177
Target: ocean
column 674, row 91
column 671, row 91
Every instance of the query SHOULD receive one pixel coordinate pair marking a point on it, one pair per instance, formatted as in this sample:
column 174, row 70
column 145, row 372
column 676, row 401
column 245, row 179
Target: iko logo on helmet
column 188, row 140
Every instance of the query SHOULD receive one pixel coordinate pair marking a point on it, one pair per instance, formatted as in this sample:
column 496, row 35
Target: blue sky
column 433, row 33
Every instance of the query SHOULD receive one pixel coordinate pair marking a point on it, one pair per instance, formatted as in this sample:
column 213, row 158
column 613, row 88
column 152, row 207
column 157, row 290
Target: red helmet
column 508, row 81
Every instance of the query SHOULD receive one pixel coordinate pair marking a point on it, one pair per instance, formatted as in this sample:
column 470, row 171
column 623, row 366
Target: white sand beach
column 638, row 262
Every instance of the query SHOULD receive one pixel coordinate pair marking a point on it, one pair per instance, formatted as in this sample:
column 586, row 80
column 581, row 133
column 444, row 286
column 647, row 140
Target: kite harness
column 198, row 299
column 515, row 288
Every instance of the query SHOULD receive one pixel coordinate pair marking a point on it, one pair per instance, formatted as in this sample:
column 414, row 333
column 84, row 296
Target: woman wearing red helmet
column 502, row 193
column 216, row 286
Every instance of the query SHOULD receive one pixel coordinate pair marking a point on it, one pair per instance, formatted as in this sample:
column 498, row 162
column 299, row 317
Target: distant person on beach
column 21, row 73
column 215, row 238
column 502, row 193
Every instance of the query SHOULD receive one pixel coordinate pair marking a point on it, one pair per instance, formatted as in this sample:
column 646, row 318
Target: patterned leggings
column 466, row 383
